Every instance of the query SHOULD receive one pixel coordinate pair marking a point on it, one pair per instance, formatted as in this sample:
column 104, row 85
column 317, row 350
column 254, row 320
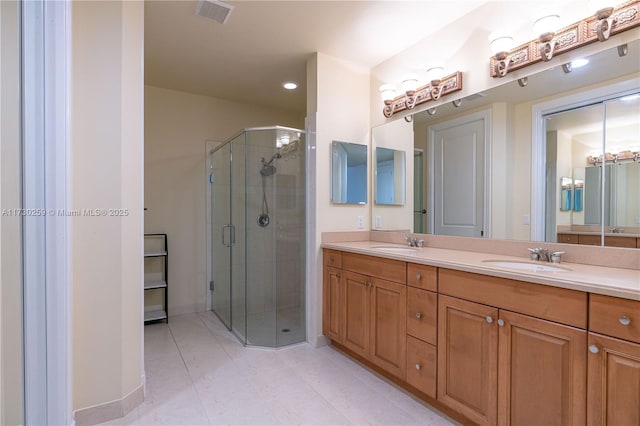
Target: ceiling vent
column 214, row 9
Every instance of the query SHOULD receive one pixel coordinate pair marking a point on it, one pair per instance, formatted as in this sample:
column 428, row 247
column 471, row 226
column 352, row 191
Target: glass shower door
column 220, row 187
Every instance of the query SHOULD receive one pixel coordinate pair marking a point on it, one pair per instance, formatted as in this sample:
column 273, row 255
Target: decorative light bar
column 622, row 156
column 605, row 22
column 413, row 95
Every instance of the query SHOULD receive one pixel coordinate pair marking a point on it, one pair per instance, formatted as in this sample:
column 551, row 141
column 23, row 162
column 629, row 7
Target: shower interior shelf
column 155, row 273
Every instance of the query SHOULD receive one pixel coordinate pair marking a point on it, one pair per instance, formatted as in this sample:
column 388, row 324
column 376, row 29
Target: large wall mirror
column 390, row 172
column 510, row 208
column 349, row 173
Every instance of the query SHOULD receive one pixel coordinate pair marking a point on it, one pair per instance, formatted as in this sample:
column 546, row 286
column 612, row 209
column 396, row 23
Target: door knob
column 418, row 367
column 594, row 349
column 501, row 323
column 418, row 276
column 418, row 315
column 489, row 320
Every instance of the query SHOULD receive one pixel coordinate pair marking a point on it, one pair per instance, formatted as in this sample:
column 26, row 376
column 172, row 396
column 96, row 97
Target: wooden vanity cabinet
column 505, row 362
column 333, row 294
column 613, row 361
column 370, row 316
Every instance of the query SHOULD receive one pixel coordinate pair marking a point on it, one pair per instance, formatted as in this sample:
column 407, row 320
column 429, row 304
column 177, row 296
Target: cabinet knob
column 418, row 315
column 501, row 323
column 594, row 349
column 418, row 367
column 418, row 277
column 624, row 320
column 489, row 320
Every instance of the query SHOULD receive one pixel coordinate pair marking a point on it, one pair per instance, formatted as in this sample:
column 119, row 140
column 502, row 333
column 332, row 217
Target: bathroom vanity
column 490, row 339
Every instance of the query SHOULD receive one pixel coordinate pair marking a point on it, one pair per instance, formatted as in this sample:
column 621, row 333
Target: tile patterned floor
column 198, row 374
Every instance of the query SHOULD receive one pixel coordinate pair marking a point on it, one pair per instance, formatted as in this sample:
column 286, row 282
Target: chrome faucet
column 414, row 242
column 542, row 254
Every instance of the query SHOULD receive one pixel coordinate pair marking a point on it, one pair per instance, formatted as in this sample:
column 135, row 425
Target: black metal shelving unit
column 161, row 251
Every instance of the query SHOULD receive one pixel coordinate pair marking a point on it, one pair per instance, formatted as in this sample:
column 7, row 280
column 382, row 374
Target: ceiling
column 264, row 43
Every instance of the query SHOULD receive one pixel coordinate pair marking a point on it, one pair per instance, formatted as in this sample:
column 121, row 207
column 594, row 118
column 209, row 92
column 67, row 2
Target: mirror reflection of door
column 418, row 201
column 596, row 146
column 458, row 177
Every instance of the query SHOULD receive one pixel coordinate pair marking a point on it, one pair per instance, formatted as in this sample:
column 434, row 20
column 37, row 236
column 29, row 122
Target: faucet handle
column 556, row 256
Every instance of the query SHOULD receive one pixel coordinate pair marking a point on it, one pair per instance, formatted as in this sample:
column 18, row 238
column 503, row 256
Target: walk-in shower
column 257, row 183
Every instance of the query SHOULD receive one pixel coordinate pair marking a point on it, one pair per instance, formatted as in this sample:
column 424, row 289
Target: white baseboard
column 110, row 410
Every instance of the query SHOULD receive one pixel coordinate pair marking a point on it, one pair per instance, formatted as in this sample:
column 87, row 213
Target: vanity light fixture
column 501, row 44
column 431, row 111
column 546, row 26
column 602, row 10
column 414, row 94
column 630, row 154
column 522, row 82
column 457, row 103
column 606, row 21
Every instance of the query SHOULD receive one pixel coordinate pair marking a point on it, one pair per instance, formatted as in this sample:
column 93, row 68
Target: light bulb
column 410, row 84
column 435, row 73
column 388, row 92
column 547, row 22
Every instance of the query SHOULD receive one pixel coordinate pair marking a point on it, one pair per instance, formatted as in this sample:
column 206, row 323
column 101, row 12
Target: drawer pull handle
column 418, row 367
column 501, row 323
column 418, row 315
column 624, row 320
column 418, row 277
column 489, row 320
column 594, row 349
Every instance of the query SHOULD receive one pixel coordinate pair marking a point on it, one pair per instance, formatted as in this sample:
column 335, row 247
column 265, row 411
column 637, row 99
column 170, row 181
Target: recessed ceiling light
column 290, row 85
column 579, row 63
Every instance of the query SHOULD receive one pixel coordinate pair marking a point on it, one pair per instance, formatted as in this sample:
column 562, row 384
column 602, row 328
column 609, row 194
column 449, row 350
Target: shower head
column 268, row 170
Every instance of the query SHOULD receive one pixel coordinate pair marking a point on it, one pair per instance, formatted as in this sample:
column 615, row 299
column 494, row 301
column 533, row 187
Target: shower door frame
column 211, row 147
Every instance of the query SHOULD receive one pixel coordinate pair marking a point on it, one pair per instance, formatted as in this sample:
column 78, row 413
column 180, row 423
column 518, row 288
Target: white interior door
column 458, row 179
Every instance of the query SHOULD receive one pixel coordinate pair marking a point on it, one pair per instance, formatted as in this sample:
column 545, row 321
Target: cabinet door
column 468, row 358
column 356, row 319
column 388, row 326
column 614, row 382
column 332, row 304
column 541, row 375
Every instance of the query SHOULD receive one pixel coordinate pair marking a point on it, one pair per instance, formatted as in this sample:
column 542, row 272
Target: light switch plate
column 360, row 222
column 378, row 221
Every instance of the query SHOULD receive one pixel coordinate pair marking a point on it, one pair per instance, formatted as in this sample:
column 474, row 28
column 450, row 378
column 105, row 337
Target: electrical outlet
column 360, row 222
column 378, row 221
column 526, row 220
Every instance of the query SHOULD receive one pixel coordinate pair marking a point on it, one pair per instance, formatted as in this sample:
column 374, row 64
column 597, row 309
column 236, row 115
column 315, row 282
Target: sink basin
column 395, row 249
column 526, row 266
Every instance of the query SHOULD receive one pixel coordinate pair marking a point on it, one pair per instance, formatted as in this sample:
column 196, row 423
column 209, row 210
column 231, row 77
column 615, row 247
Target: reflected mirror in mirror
column 348, row 173
column 510, row 164
column 566, row 194
column 390, row 177
column 605, row 168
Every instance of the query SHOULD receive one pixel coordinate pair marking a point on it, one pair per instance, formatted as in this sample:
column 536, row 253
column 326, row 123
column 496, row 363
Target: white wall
column 338, row 109
column 106, row 172
column 11, row 388
column 177, row 126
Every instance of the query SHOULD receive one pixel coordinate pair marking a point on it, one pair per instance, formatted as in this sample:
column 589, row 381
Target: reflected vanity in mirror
column 390, row 177
column 510, row 163
column 349, row 173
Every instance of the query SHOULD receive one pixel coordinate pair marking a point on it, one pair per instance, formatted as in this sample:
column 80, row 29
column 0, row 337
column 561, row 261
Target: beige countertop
column 594, row 279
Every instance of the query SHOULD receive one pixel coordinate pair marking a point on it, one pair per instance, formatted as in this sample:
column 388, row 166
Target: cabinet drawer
column 421, row 366
column 615, row 317
column 590, row 240
column 628, row 242
column 541, row 301
column 380, row 267
column 422, row 276
column 568, row 238
column 332, row 258
column 422, row 314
